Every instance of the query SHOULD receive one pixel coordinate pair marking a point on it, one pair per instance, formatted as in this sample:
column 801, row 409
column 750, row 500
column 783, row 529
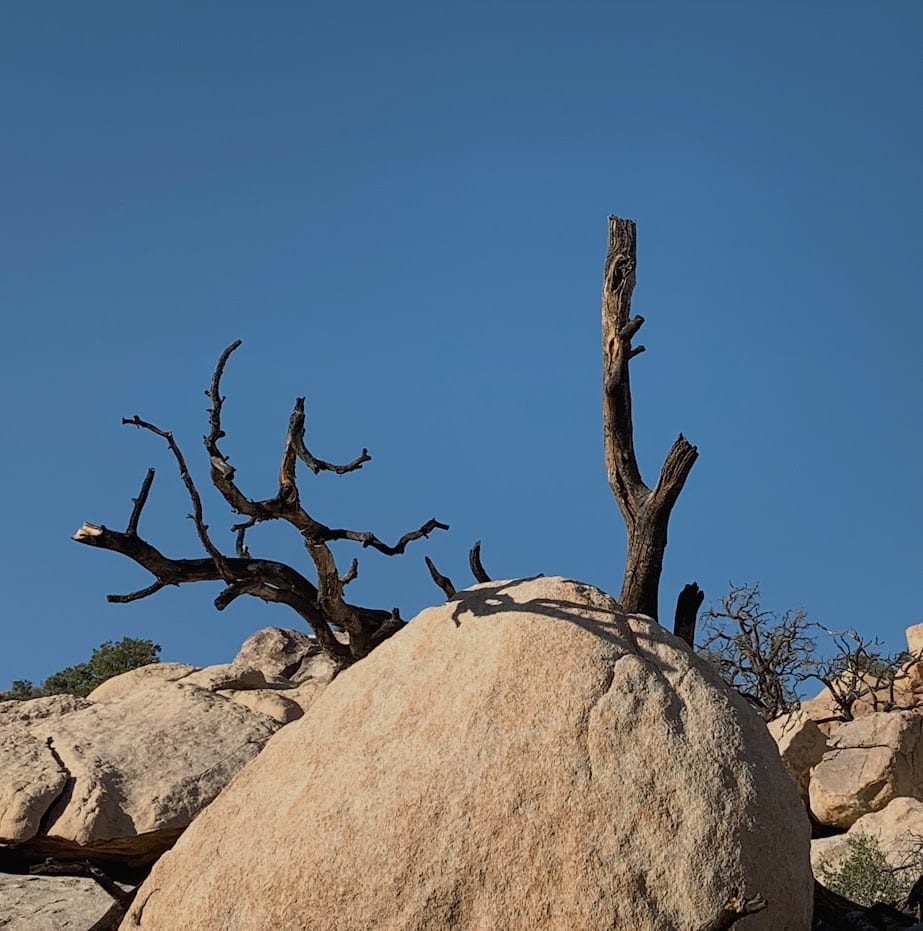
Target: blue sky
column 401, row 210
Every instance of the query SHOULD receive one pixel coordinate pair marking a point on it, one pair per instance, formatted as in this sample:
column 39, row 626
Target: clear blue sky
column 401, row 209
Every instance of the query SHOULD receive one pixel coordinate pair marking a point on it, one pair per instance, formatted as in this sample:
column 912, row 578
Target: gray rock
column 60, row 903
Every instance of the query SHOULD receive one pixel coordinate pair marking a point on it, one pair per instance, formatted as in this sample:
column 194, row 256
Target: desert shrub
column 109, row 659
column 865, row 876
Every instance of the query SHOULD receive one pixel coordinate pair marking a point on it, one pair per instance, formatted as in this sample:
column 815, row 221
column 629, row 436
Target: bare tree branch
column 197, row 515
column 296, row 431
column 444, row 582
column 135, row 596
column 687, row 608
column 477, row 567
column 139, row 502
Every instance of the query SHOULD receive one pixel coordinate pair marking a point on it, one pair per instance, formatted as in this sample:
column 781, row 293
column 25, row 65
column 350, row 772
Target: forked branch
column 322, row 606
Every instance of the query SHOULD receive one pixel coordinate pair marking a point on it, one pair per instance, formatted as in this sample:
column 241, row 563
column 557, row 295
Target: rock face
column 35, row 709
column 42, row 903
column 235, row 677
column 32, row 779
column 801, row 745
column 524, row 756
column 122, row 778
column 127, row 682
column 870, row 761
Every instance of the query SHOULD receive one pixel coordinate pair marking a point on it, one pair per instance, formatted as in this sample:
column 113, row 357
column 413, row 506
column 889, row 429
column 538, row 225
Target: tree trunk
column 646, row 511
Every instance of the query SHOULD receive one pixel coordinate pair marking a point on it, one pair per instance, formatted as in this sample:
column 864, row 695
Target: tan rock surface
column 524, row 757
column 915, row 639
column 801, row 745
column 35, row 709
column 140, row 767
column 231, row 676
column 271, row 702
column 30, row 780
column 870, row 761
column 277, row 651
column 45, row 903
column 122, row 684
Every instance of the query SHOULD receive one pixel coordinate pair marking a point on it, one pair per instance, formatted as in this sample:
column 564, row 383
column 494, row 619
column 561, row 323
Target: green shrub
column 109, row 659
column 864, row 875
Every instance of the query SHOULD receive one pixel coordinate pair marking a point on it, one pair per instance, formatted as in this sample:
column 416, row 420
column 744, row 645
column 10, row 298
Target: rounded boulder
column 525, row 756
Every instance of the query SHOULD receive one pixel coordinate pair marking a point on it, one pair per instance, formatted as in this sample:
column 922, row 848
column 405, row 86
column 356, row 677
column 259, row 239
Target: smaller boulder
column 232, row 676
column 122, row 778
column 32, row 778
column 871, row 761
column 915, row 640
column 270, row 702
column 277, row 652
column 898, row 828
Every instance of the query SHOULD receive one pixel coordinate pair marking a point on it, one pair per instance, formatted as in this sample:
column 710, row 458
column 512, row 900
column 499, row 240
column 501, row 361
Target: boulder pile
column 524, row 756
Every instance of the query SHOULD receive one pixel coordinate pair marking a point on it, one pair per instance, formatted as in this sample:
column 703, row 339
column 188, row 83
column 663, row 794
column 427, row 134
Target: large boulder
column 122, row 778
column 524, row 756
column 871, row 760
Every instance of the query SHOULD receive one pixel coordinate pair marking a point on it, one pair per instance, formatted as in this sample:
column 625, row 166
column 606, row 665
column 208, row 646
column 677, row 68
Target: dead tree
column 646, row 511
column 323, row 606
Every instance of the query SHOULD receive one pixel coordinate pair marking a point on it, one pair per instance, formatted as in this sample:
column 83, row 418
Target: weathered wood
column 646, row 511
column 687, row 608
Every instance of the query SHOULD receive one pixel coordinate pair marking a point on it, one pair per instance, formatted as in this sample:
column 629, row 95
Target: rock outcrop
column 28, row 712
column 122, row 778
column 525, row 756
column 278, row 652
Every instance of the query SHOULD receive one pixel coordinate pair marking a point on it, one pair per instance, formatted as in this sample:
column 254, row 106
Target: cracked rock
column 122, row 778
column 871, row 761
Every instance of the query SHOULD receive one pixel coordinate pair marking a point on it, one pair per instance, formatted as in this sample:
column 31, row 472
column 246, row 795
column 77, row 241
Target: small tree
column 764, row 656
column 865, row 876
column 109, row 659
column 22, row 690
column 768, row 658
column 859, row 671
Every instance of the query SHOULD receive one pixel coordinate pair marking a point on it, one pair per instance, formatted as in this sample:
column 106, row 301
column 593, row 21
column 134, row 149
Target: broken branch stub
column 646, row 511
